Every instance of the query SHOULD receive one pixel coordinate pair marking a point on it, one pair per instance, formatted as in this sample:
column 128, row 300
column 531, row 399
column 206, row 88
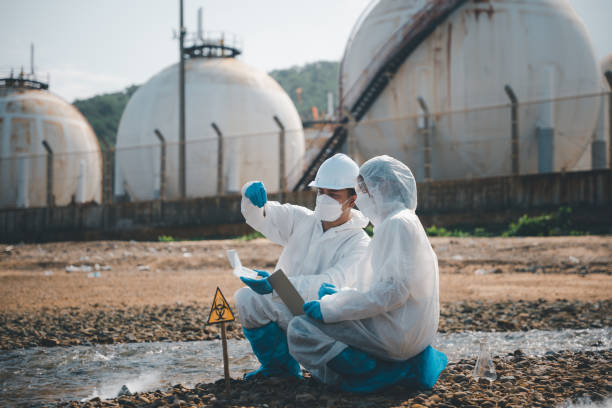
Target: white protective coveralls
column 393, row 310
column 309, row 257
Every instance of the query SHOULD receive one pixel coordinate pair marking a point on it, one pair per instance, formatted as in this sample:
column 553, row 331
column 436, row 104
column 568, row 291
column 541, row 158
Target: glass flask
column 484, row 365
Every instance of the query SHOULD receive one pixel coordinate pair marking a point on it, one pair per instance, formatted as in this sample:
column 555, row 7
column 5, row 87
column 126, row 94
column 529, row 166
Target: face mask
column 327, row 209
column 367, row 206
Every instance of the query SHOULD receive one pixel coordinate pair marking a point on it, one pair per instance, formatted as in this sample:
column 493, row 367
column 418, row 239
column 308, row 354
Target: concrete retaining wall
column 486, row 202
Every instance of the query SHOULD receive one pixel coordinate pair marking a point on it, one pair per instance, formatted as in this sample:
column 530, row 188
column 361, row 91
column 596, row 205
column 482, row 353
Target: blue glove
column 327, row 289
column 261, row 286
column 256, row 192
column 313, row 310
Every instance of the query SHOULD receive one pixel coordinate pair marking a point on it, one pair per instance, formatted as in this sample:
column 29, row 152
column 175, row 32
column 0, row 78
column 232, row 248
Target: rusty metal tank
column 460, row 67
column 241, row 100
column 29, row 115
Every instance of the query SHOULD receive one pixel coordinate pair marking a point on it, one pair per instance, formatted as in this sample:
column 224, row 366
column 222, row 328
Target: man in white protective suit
column 318, row 246
column 379, row 332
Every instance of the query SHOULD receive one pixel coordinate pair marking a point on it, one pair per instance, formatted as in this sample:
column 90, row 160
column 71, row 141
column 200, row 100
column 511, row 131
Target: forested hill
column 316, row 79
column 104, row 112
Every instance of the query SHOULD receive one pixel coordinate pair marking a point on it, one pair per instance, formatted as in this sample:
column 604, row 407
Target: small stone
column 304, row 398
column 49, row 342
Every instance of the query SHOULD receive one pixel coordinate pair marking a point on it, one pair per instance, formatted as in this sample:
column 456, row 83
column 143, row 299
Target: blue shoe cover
column 421, row 372
column 429, row 364
column 269, row 344
column 266, row 372
column 352, row 361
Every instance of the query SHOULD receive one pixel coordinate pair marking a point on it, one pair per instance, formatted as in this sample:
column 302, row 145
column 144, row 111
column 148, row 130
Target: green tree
column 315, row 80
column 104, row 112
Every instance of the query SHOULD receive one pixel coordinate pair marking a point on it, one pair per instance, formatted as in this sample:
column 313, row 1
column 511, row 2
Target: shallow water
column 40, row 375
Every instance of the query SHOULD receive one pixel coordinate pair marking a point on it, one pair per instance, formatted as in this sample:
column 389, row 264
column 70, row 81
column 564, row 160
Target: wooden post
column 225, row 360
column 220, row 313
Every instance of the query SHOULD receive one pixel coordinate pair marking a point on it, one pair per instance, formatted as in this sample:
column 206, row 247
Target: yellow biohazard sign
column 220, row 311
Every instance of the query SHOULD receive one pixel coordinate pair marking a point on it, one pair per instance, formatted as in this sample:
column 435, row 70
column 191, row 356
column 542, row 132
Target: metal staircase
column 384, row 65
column 331, row 147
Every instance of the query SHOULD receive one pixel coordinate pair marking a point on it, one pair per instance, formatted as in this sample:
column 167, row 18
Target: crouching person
column 320, row 246
column 379, row 333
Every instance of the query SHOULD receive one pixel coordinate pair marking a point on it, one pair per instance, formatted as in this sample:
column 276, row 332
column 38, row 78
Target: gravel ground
column 153, row 291
column 73, row 326
column 548, row 381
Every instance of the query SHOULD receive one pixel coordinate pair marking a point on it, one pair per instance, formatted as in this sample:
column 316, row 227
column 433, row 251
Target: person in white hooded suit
column 318, row 246
column 378, row 332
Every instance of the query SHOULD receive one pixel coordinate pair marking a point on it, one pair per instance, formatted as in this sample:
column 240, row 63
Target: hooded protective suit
column 392, row 312
column 310, row 256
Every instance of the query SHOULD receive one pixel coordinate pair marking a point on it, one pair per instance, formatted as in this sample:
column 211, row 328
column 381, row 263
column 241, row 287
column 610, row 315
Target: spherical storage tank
column 29, row 116
column 241, row 100
column 538, row 47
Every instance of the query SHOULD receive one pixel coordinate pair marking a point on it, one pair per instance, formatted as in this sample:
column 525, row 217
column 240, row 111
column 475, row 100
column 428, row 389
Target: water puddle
column 37, row 376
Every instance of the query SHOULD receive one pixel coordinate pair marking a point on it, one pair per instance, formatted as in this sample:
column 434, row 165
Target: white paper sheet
column 239, row 270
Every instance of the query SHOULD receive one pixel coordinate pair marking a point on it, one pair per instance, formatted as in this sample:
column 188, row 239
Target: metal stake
column 225, row 360
column 219, row 158
column 515, row 124
column 162, row 165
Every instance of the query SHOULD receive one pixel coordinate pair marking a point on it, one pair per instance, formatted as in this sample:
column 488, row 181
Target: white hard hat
column 336, row 173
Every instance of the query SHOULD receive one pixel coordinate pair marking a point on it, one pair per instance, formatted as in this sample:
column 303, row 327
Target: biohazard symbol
column 220, row 311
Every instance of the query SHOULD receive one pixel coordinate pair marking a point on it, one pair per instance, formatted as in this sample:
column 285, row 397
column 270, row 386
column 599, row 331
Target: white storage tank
column 29, row 115
column 241, row 100
column 539, row 47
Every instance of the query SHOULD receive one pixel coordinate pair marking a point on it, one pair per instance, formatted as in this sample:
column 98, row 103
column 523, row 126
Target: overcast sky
column 90, row 47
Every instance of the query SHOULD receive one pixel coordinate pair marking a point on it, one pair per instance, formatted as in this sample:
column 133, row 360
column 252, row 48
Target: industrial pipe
column 219, row 158
column 608, row 75
column 515, row 124
column 426, row 136
column 162, row 165
column 282, row 182
column 50, row 198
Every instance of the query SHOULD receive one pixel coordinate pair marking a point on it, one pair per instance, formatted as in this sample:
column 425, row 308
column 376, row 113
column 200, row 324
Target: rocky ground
column 523, row 381
column 158, row 291
column 74, row 326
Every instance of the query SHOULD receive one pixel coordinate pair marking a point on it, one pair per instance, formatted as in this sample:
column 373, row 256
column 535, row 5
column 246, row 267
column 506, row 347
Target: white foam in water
column 38, row 376
column 143, row 382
